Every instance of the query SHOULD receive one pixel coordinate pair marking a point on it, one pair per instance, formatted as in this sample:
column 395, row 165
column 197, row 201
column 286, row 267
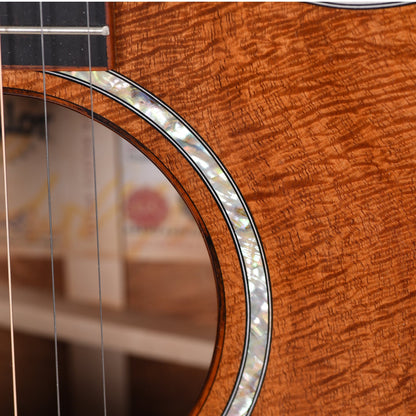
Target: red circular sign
column 147, row 208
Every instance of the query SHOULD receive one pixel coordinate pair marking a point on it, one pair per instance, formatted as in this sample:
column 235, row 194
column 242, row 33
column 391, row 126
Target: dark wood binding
column 313, row 112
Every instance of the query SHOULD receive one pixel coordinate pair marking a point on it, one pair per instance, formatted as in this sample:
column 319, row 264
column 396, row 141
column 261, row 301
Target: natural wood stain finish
column 313, row 112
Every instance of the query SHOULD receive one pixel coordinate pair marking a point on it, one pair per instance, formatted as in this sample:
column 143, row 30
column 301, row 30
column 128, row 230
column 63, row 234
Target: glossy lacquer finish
column 241, row 225
column 309, row 115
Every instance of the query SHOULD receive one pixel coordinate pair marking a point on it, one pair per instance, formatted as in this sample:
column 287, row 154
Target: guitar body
column 312, row 112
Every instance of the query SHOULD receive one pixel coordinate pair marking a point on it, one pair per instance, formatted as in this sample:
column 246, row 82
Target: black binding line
column 225, row 216
column 362, row 6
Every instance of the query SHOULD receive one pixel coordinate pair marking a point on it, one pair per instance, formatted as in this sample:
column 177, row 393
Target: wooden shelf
column 130, row 333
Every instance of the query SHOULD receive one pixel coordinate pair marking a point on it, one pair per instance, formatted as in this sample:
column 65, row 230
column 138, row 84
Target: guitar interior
column 158, row 292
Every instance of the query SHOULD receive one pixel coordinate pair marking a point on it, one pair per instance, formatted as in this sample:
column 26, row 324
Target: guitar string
column 9, row 269
column 96, row 212
column 58, row 402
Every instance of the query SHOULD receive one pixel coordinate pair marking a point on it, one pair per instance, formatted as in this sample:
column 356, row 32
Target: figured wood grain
column 313, row 112
column 221, row 247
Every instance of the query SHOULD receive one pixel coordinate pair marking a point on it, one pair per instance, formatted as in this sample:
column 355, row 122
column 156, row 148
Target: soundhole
column 158, row 293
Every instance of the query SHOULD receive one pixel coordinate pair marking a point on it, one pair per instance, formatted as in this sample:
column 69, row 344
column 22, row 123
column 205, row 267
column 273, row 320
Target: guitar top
column 311, row 113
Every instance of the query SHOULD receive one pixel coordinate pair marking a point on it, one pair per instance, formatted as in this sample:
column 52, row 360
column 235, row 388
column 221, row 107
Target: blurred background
column 158, row 290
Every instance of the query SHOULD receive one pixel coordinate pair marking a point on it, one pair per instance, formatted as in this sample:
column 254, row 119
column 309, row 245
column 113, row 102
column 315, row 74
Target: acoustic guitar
column 290, row 132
